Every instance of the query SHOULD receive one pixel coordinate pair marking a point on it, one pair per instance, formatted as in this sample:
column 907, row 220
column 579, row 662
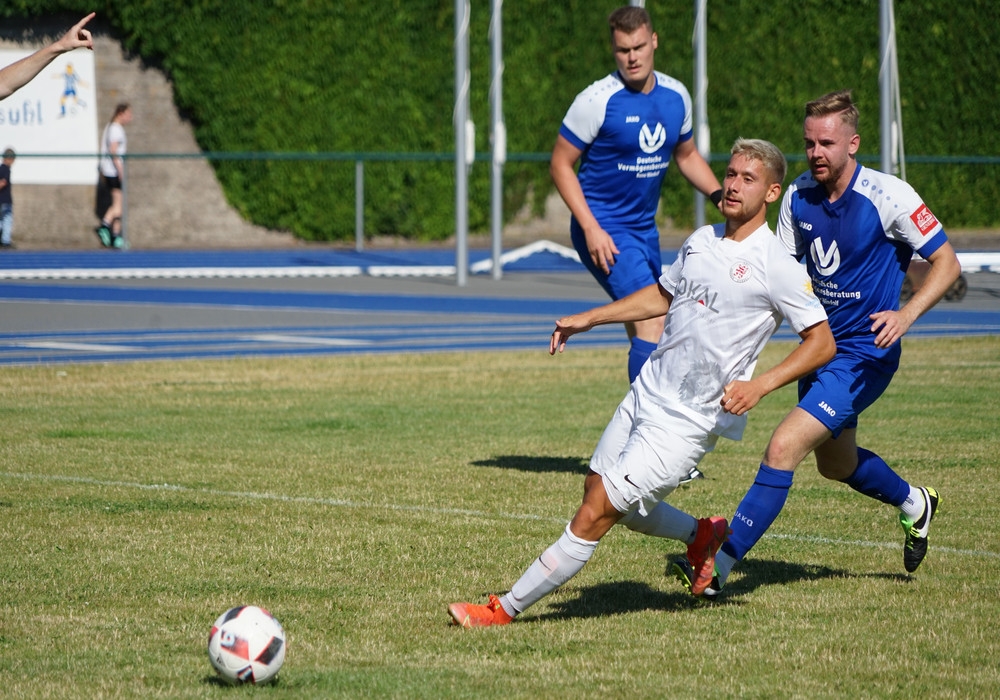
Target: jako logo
column 826, row 261
column 826, row 407
column 744, row 519
column 651, row 141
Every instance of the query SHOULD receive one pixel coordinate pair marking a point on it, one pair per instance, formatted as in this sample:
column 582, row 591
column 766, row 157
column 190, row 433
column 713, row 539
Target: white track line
column 341, row 503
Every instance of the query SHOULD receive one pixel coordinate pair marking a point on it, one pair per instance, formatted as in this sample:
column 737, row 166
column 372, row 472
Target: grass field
column 355, row 497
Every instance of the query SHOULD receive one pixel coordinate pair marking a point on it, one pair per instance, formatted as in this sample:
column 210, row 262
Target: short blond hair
column 764, row 152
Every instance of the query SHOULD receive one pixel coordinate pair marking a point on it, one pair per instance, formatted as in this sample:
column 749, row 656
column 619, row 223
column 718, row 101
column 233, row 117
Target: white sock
column 663, row 521
column 723, row 566
column 914, row 505
column 556, row 565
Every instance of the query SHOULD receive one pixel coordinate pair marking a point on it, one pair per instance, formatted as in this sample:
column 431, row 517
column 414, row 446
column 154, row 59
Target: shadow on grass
column 527, row 463
column 624, row 597
column 617, row 598
column 752, row 574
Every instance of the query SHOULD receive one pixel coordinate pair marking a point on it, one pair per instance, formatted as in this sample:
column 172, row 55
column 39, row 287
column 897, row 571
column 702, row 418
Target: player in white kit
column 723, row 298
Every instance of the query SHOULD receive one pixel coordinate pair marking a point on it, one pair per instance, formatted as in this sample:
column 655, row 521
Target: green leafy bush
column 363, row 78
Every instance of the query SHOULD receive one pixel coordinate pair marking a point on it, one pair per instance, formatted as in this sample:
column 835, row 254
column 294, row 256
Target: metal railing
column 361, row 157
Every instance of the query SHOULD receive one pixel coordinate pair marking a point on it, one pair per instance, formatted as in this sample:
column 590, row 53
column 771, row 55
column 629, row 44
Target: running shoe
column 681, row 570
column 915, row 547
column 712, row 532
column 469, row 615
column 104, row 233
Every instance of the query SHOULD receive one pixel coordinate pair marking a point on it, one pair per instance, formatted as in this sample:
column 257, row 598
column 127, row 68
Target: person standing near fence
column 624, row 130
column 6, row 200
column 112, row 175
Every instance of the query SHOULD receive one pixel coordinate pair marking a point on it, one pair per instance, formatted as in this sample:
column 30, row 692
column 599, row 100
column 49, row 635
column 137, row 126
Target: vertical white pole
column 461, row 118
column 885, row 87
column 359, row 205
column 498, row 136
column 701, row 132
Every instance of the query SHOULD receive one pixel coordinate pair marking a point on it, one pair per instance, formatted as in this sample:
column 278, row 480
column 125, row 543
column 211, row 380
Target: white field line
column 343, row 503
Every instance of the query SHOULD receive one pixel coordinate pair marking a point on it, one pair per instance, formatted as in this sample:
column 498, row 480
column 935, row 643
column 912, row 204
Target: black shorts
column 103, row 199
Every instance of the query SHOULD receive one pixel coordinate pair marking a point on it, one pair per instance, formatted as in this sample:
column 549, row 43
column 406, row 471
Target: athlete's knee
column 782, row 452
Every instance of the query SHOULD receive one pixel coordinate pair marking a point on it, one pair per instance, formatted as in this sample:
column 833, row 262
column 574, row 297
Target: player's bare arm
column 562, row 168
column 890, row 326
column 694, row 168
column 816, row 349
column 649, row 302
column 20, row 73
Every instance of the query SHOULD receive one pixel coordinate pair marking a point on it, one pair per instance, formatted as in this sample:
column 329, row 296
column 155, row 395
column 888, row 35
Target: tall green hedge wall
column 349, row 76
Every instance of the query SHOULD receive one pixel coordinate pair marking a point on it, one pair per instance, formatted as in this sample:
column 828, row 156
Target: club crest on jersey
column 924, row 220
column 740, row 272
column 651, row 141
column 826, row 260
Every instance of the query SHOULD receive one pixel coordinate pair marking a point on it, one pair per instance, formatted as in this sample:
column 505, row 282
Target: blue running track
column 100, row 306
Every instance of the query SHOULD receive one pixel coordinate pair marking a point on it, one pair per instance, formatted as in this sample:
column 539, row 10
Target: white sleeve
column 786, row 229
column 792, row 293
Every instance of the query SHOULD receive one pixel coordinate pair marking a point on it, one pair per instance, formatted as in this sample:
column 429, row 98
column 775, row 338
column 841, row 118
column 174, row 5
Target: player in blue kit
column 857, row 229
column 624, row 130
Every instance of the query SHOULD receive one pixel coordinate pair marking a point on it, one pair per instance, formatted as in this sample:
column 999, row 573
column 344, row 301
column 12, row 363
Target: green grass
column 355, row 497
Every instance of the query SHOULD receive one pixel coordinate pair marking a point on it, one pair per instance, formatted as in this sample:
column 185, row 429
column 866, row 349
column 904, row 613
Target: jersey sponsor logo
column 826, row 260
column 699, row 292
column 924, row 220
column 652, row 141
column 740, row 272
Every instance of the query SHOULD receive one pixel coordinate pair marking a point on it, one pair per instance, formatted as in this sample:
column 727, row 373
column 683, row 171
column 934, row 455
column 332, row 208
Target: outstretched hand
column 566, row 327
column 77, row 37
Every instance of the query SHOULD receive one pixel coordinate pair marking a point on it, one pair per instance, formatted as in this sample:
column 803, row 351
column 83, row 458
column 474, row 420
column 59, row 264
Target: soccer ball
column 247, row 645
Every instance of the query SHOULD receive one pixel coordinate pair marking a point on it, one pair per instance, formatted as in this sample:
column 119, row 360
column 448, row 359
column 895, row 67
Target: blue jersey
column 627, row 139
column 857, row 249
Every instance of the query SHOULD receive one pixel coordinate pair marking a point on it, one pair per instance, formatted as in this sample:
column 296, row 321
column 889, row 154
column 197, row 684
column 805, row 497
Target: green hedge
column 345, row 76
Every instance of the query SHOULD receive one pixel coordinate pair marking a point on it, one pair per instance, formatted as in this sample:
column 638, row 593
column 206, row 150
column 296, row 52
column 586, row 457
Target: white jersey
column 728, row 300
column 114, row 133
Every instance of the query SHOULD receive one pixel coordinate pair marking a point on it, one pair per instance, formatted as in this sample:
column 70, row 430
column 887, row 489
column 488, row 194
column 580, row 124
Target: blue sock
column 758, row 509
column 876, row 479
column 638, row 352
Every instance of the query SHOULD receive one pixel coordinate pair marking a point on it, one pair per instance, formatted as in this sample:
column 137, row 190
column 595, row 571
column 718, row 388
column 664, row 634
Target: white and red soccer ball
column 247, row 645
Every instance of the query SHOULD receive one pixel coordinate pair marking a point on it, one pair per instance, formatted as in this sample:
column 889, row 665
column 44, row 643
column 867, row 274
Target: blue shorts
column 838, row 392
column 637, row 265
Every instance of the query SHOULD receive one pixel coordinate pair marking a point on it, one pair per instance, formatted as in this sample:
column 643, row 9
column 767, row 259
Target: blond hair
column 766, row 153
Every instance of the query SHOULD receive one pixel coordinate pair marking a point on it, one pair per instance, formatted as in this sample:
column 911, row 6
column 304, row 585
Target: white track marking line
column 84, row 347
column 306, row 340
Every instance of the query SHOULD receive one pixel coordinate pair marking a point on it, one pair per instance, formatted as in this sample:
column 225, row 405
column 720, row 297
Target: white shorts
column 645, row 451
